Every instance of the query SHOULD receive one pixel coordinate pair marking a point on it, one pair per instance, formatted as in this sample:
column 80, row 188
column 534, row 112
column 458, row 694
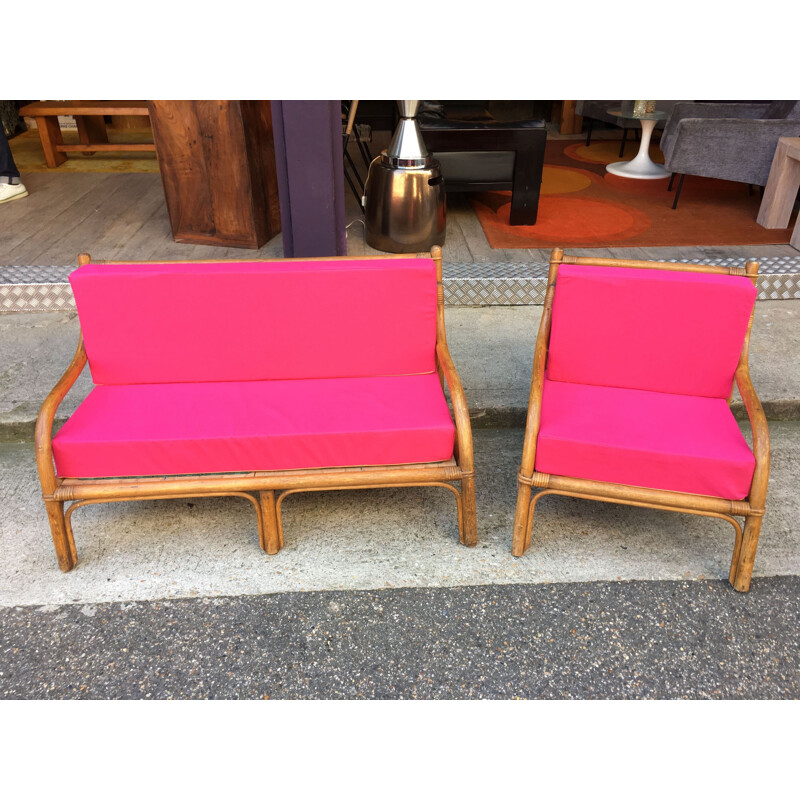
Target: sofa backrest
column 657, row 330
column 243, row 321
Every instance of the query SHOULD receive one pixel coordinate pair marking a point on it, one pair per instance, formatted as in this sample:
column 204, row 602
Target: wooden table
column 781, row 190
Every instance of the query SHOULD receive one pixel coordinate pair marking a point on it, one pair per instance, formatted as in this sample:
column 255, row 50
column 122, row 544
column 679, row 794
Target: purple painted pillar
column 308, row 157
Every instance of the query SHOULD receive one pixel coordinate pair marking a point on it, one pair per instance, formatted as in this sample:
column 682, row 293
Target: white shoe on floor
column 12, row 191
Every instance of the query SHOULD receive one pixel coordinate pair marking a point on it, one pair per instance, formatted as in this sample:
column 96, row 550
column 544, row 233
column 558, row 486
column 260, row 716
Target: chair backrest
column 650, row 329
column 244, row 321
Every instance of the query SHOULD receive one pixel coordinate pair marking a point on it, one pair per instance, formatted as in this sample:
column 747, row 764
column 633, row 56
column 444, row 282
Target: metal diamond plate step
column 504, row 283
column 524, row 283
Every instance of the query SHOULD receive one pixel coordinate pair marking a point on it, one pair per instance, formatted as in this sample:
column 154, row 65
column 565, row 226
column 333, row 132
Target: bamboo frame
column 260, row 488
column 752, row 508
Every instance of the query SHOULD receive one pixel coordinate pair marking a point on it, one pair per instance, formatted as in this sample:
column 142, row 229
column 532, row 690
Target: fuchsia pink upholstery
column 172, row 429
column 662, row 441
column 184, row 323
column 640, row 365
column 256, row 366
column 676, row 332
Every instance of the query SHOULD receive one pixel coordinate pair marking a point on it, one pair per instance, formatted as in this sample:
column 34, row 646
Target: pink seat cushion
column 638, row 438
column 195, row 323
column 174, row 429
column 676, row 332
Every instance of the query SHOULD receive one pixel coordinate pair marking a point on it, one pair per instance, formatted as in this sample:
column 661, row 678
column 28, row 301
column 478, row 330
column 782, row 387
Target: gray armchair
column 730, row 141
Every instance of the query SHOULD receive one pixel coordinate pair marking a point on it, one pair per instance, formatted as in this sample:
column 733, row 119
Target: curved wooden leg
column 747, row 556
column 518, row 541
column 469, row 529
column 62, row 537
column 737, row 551
column 270, row 534
column 531, row 512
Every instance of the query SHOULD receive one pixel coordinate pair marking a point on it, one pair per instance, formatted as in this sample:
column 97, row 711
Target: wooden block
column 217, row 166
column 782, row 185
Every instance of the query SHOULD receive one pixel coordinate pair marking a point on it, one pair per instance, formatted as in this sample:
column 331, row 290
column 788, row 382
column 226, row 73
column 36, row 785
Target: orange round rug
column 584, row 206
column 568, row 219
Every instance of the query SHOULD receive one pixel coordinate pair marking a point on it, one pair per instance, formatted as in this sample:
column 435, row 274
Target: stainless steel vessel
column 404, row 205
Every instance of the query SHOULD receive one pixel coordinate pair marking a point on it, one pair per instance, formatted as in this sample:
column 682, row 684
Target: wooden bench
column 263, row 380
column 89, row 117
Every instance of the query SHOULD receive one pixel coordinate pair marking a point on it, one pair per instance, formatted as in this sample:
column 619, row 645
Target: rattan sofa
column 257, row 380
column 633, row 373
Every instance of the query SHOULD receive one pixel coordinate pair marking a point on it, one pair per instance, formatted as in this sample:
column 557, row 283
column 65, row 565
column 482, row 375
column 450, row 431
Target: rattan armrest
column 758, row 425
column 537, row 385
column 460, row 409
column 47, row 413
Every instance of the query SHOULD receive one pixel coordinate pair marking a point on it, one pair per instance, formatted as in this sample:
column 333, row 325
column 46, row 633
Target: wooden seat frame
column 751, row 508
column 266, row 490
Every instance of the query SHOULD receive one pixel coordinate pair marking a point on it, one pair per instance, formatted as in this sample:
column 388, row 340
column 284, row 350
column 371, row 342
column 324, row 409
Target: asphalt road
column 636, row 639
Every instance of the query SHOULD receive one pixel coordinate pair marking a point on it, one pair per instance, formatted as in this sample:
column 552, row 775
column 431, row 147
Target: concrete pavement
column 372, row 539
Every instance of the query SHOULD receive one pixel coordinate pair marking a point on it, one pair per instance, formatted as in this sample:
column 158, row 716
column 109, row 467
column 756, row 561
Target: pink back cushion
column 675, row 332
column 242, row 321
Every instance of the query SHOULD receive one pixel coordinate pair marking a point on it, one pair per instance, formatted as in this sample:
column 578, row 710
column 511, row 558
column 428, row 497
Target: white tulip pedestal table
column 642, row 166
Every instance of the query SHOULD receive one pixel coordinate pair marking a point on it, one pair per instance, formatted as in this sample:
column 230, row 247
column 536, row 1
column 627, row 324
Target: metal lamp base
column 405, row 210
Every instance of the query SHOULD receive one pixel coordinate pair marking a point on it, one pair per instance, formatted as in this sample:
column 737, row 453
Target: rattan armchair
column 714, row 473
